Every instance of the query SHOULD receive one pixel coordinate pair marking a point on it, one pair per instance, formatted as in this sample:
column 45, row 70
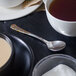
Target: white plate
column 17, row 12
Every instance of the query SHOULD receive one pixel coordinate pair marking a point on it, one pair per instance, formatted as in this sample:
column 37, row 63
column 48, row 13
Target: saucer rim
column 19, row 15
column 32, row 57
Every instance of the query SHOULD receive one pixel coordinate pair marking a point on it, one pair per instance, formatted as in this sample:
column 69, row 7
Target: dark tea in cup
column 63, row 9
column 61, row 15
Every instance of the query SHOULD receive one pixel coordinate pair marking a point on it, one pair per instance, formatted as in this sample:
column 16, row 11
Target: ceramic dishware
column 49, row 62
column 64, row 27
column 10, row 3
column 6, row 67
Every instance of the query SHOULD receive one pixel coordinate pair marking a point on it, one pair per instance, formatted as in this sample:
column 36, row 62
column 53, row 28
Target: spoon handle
column 16, row 28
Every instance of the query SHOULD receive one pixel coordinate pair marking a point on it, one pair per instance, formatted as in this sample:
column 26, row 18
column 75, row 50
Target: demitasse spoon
column 52, row 45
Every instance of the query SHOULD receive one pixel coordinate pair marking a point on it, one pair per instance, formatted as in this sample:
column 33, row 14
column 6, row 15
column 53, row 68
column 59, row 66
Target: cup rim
column 6, row 38
column 54, row 56
column 56, row 17
column 9, row 4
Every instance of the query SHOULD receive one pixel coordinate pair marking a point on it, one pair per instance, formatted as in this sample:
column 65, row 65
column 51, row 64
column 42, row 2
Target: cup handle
column 44, row 1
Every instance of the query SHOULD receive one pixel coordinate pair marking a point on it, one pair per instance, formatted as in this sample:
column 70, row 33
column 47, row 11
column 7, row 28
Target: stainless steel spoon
column 52, row 45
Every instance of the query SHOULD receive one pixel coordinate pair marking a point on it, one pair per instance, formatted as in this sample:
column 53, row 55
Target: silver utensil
column 52, row 45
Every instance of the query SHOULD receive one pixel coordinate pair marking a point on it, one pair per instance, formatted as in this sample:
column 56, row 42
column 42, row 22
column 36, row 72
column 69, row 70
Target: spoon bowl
column 56, row 45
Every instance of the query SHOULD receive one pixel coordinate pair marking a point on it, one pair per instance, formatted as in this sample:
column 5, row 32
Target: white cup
column 10, row 3
column 67, row 28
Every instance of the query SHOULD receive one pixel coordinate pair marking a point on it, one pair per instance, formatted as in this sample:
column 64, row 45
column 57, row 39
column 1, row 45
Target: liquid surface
column 60, row 70
column 5, row 52
column 63, row 9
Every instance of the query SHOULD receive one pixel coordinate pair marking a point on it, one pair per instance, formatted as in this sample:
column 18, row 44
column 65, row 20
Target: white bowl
column 67, row 28
column 10, row 3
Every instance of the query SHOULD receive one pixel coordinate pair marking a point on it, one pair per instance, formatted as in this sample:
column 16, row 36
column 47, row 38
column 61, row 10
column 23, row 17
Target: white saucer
column 17, row 12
